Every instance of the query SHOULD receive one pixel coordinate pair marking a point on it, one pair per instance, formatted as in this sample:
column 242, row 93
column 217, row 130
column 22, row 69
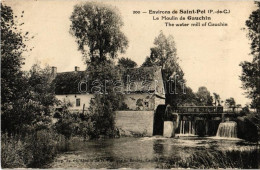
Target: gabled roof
column 134, row 80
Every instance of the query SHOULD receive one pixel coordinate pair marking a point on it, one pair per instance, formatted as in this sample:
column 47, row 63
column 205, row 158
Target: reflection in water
column 159, row 152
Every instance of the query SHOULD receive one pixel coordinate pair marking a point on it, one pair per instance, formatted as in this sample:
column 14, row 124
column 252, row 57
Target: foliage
column 40, row 82
column 189, row 99
column 245, row 110
column 255, row 120
column 41, row 145
column 96, row 28
column 164, row 55
column 73, row 124
column 25, row 117
column 203, row 97
column 248, row 126
column 95, row 123
column 230, row 102
column 250, row 70
column 26, row 98
column 12, row 152
column 32, row 151
column 102, row 116
column 253, row 25
column 12, row 47
column 126, row 63
column 217, row 99
column 106, row 99
column 33, row 110
column 27, row 101
column 66, row 126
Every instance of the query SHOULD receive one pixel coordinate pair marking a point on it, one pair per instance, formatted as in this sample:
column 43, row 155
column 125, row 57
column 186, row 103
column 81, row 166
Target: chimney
column 76, row 68
column 53, row 72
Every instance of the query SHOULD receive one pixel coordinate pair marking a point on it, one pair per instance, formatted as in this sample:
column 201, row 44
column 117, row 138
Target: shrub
column 102, row 116
column 74, row 124
column 66, row 126
column 33, row 150
column 42, row 146
column 61, row 142
column 12, row 151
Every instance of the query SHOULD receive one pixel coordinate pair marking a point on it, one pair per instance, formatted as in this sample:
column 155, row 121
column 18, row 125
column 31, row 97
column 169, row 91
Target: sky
column 209, row 56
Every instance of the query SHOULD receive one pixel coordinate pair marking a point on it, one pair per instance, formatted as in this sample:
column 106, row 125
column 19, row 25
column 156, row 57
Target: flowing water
column 159, row 152
column 187, row 128
column 227, row 130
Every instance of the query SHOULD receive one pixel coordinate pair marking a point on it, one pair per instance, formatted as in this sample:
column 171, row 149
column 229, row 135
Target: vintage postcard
column 130, row 84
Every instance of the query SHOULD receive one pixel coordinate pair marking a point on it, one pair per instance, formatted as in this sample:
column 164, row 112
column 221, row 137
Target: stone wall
column 135, row 122
column 140, row 101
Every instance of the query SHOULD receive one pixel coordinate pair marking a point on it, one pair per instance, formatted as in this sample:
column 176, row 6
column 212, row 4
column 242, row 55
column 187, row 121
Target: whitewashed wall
column 84, row 99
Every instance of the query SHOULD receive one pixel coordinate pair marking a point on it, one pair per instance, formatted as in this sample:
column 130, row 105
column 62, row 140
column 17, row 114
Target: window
column 146, row 104
column 77, row 102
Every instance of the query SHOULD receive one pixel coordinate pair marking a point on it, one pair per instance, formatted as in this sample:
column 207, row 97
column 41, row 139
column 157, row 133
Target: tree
column 251, row 70
column 34, row 108
column 23, row 106
column 164, row 54
column 12, row 47
column 189, row 99
column 106, row 99
column 97, row 30
column 13, row 83
column 203, row 97
column 231, row 103
column 217, row 99
column 126, row 63
column 40, row 82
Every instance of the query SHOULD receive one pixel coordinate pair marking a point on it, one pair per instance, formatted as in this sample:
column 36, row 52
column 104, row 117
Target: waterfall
column 227, row 129
column 187, row 127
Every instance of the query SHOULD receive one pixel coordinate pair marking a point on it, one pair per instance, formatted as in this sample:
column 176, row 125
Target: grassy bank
column 31, row 151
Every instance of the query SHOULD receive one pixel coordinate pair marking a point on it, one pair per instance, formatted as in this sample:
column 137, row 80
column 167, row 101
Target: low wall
column 135, row 122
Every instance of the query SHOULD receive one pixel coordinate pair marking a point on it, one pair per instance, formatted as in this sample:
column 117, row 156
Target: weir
column 187, row 128
column 227, row 130
column 194, row 120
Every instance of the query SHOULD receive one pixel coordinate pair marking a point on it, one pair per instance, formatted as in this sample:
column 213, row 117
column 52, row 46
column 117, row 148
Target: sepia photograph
column 130, row 84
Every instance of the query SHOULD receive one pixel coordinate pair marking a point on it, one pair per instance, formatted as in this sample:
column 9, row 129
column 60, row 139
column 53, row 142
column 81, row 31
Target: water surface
column 160, row 152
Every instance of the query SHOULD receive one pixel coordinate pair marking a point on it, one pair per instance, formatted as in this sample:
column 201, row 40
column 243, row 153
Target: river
column 160, row 152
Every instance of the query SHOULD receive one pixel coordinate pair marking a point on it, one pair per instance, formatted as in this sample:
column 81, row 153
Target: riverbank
column 34, row 150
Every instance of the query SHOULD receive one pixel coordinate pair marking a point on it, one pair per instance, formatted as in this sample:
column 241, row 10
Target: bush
column 71, row 125
column 31, row 151
column 42, row 147
column 249, row 127
column 12, row 152
column 102, row 116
